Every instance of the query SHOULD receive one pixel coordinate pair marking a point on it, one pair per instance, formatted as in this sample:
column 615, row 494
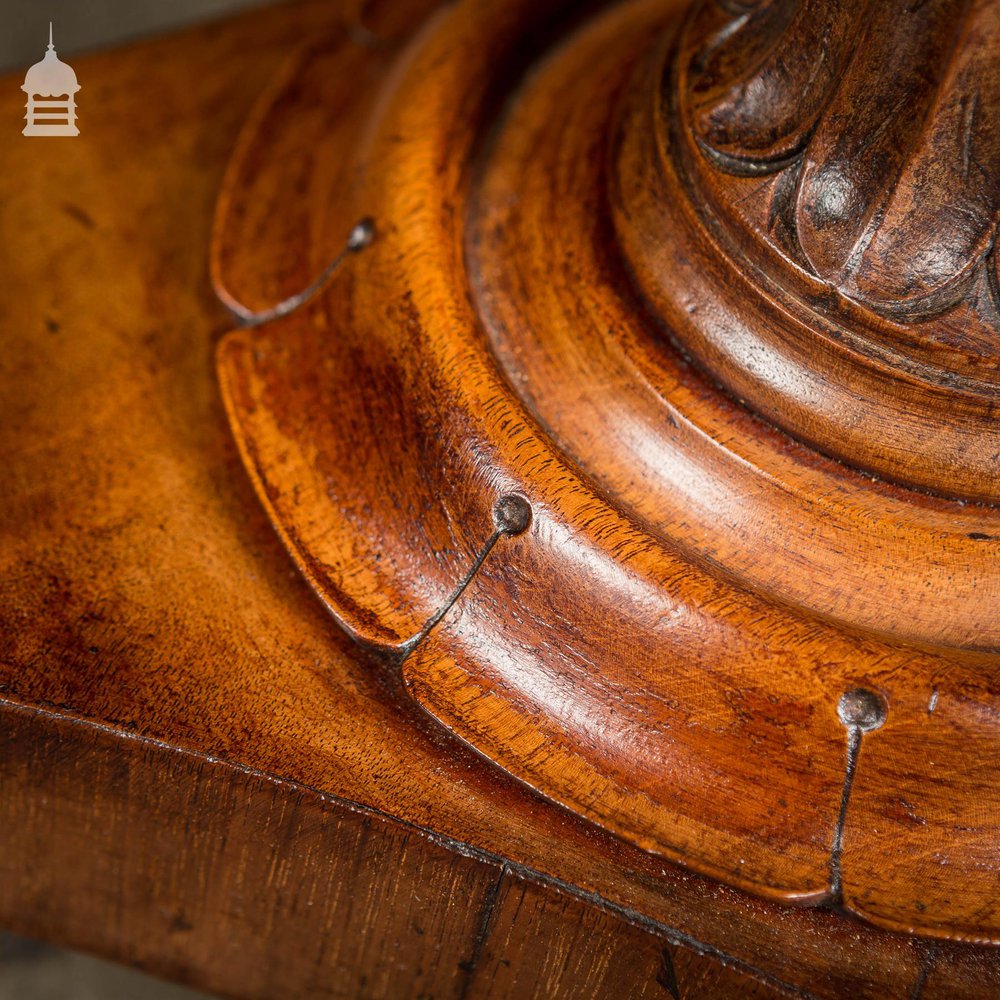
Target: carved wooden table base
column 203, row 774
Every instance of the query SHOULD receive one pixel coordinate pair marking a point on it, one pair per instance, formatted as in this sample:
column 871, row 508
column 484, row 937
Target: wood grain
column 200, row 772
column 249, row 887
column 696, row 590
column 842, row 231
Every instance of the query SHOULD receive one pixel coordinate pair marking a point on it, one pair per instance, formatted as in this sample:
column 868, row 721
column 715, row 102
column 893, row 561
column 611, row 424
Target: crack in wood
column 411, row 644
column 837, row 848
column 483, row 929
column 667, row 974
column 925, row 970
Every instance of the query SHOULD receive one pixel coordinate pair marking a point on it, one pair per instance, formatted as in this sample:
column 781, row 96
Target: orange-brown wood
column 846, row 252
column 241, row 884
column 199, row 765
column 696, row 590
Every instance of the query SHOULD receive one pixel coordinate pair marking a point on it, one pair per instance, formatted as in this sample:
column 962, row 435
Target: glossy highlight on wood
column 846, row 209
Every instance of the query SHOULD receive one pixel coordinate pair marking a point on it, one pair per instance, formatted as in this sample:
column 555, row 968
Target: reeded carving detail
column 880, row 117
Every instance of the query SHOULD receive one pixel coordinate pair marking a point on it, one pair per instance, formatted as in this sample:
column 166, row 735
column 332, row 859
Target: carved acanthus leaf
column 883, row 110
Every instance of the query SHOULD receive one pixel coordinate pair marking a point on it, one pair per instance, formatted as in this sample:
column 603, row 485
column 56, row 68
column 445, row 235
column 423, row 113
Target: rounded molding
column 663, row 645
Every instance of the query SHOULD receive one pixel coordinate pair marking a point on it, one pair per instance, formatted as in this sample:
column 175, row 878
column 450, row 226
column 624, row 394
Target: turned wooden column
column 842, row 161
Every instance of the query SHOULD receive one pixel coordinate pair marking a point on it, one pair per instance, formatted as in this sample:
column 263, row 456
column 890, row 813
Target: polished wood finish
column 697, row 590
column 252, row 888
column 202, row 773
column 841, row 160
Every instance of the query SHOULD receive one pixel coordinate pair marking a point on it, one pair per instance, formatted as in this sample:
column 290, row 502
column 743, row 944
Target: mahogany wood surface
column 697, row 589
column 203, row 774
column 857, row 253
column 239, row 883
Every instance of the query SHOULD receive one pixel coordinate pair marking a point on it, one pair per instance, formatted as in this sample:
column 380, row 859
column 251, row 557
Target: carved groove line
column 360, row 236
column 860, row 711
column 511, row 516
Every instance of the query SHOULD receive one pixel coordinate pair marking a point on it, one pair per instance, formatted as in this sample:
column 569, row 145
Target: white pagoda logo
column 51, row 88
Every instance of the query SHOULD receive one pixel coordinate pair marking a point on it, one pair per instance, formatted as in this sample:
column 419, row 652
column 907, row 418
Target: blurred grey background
column 84, row 25
column 31, row 970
